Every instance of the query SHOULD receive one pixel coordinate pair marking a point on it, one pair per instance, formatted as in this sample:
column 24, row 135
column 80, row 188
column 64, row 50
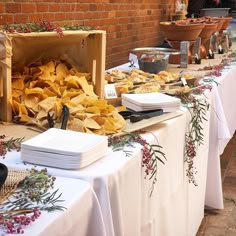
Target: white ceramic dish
column 66, row 142
column 64, row 149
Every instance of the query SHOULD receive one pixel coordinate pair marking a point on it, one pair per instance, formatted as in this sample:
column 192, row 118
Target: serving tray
column 131, row 127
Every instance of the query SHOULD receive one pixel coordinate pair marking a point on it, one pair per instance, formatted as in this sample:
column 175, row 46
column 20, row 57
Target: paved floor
column 223, row 222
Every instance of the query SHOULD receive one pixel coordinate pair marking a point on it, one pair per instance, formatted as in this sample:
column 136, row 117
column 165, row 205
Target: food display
column 42, row 87
column 40, row 90
column 86, row 49
column 137, row 81
column 153, row 63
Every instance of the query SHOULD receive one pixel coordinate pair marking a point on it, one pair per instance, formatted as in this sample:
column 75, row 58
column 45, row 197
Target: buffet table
column 124, row 193
column 74, row 220
column 222, row 128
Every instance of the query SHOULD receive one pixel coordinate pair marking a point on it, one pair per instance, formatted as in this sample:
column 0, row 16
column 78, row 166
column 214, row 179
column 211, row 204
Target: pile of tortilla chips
column 42, row 88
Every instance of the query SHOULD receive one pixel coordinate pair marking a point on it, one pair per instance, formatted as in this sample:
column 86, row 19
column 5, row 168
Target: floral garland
column 194, row 137
column 198, row 108
column 9, row 145
column 151, row 153
column 43, row 26
column 30, row 198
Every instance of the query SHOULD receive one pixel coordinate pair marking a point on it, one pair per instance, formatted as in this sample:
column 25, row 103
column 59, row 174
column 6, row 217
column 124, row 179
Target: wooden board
column 27, row 132
column 12, row 130
column 131, row 127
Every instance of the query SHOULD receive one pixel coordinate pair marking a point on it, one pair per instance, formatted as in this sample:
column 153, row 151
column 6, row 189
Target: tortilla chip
column 61, row 72
column 80, row 115
column 88, row 101
column 78, row 99
column 108, row 126
column 42, row 88
column 32, row 100
column 22, row 118
column 16, row 95
column 72, row 82
column 93, row 109
column 100, row 120
column 18, row 83
column 71, row 94
column 47, row 104
column 36, row 90
column 76, row 124
column 41, row 115
column 91, row 124
column 47, row 71
column 49, row 92
column 117, row 120
column 88, row 89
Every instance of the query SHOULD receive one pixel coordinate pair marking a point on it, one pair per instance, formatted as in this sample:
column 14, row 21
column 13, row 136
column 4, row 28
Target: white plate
column 60, row 161
column 137, row 108
column 151, row 99
column 66, row 142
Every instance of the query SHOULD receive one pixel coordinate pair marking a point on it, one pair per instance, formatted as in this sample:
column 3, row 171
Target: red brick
column 21, row 1
column 6, row 19
column 2, row 8
column 42, row 7
column 49, row 17
column 54, row 7
column 60, row 17
column 13, row 7
column 66, row 7
column 92, row 7
column 21, row 18
column 82, row 7
column 28, row 8
column 36, row 17
column 136, row 20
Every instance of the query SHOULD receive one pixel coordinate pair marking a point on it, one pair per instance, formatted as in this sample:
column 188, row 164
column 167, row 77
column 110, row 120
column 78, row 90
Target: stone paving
column 223, row 222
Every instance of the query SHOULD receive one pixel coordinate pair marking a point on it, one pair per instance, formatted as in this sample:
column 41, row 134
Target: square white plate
column 151, row 99
column 66, row 142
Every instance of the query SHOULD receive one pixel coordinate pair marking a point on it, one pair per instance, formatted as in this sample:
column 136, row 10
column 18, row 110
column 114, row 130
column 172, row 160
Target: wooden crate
column 84, row 48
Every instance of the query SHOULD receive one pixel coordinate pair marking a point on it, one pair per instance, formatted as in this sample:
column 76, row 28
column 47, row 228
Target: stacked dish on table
column 64, row 149
column 151, row 101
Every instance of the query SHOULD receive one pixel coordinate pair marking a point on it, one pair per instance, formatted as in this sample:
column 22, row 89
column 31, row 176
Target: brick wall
column 128, row 23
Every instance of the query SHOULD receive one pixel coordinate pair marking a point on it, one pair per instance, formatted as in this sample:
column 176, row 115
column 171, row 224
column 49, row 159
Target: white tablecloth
column 123, row 192
column 222, row 128
column 116, row 181
column 81, row 214
column 176, row 207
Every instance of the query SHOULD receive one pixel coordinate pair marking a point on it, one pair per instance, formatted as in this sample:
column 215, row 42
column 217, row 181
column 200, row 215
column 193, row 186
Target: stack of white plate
column 151, row 101
column 64, row 149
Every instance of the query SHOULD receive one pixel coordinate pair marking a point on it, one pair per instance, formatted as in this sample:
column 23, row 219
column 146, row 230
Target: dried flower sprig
column 151, row 153
column 78, row 27
column 26, row 203
column 13, row 222
column 13, row 144
column 198, row 108
column 215, row 70
column 41, row 26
